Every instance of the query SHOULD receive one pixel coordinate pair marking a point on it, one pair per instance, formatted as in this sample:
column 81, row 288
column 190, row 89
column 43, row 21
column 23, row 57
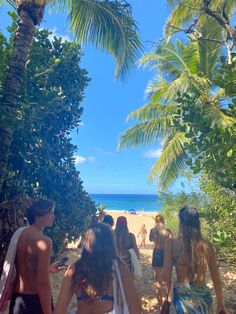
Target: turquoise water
column 123, row 202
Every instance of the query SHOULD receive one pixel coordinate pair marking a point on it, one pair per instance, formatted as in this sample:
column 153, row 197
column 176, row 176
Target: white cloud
column 82, row 160
column 55, row 33
column 153, row 153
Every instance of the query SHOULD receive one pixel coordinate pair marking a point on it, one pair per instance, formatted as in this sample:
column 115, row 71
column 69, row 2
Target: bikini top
column 104, row 297
column 118, row 298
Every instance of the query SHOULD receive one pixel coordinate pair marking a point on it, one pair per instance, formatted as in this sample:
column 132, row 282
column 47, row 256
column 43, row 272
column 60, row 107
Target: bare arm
column 215, row 275
column 43, row 281
column 131, row 295
column 168, row 264
column 66, row 293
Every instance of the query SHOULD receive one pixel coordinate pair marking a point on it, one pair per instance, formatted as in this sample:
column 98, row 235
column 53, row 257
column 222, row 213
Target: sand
column 146, row 286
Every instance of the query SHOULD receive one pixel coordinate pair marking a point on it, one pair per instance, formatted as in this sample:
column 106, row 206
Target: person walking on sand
column 190, row 253
column 159, row 235
column 32, row 291
column 142, row 233
column 125, row 240
column 100, row 281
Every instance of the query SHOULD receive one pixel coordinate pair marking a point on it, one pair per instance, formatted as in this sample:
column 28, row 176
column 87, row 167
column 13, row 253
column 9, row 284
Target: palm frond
column 146, row 133
column 109, row 26
column 172, row 160
column 153, row 110
column 172, row 3
column 11, row 2
column 191, row 56
column 180, row 16
column 185, row 12
column 167, row 91
column 208, row 50
column 217, row 116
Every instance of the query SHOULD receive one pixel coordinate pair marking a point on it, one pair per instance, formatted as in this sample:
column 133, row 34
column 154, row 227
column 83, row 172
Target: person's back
column 98, row 278
column 125, row 241
column 182, row 262
column 191, row 254
column 158, row 235
column 32, row 291
column 26, row 261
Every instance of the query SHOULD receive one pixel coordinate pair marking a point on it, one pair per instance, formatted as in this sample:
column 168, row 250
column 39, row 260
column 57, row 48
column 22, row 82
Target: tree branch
column 223, row 20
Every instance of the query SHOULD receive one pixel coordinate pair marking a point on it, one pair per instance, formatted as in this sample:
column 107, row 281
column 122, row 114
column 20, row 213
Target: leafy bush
column 173, row 203
column 220, row 215
column 42, row 161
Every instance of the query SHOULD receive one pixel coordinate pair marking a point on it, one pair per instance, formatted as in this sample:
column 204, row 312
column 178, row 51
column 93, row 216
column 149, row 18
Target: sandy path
column 145, row 286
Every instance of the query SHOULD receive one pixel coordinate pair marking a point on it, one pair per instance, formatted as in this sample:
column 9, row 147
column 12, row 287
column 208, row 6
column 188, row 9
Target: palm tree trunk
column 11, row 87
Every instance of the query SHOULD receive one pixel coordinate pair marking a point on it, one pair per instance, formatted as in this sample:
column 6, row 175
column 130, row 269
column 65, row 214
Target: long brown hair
column 93, row 271
column 122, row 234
column 195, row 245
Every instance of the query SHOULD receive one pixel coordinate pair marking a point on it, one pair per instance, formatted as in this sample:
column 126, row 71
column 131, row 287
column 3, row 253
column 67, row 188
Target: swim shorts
column 157, row 258
column 25, row 304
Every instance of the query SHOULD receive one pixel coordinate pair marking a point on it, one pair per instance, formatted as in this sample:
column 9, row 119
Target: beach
column 145, row 286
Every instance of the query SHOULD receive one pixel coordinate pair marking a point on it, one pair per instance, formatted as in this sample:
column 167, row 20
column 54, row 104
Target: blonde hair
column 143, row 228
column 159, row 219
column 195, row 245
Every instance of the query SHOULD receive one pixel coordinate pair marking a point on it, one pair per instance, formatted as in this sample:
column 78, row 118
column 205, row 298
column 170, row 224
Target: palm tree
column 179, row 69
column 190, row 15
column 106, row 24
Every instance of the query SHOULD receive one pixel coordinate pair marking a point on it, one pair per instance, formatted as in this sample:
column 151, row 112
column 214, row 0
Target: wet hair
column 108, row 219
column 93, row 271
column 122, row 234
column 195, row 245
column 39, row 208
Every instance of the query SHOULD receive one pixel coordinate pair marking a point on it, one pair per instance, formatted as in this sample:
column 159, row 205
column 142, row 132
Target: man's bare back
column 32, row 291
column 28, row 250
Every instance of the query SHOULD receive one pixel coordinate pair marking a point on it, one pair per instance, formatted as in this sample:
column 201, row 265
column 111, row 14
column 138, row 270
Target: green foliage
column 42, row 161
column 101, row 211
column 107, row 24
column 188, row 111
column 220, row 215
column 216, row 206
column 213, row 137
column 189, row 15
column 173, row 203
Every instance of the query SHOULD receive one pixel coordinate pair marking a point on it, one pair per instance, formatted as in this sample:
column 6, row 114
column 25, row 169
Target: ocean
column 125, row 202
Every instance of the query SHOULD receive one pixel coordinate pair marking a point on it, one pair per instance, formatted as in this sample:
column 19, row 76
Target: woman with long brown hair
column 190, row 253
column 125, row 240
column 159, row 235
column 99, row 280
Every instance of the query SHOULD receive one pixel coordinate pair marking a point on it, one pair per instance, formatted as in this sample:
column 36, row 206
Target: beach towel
column 192, row 299
column 135, row 265
column 8, row 272
column 120, row 305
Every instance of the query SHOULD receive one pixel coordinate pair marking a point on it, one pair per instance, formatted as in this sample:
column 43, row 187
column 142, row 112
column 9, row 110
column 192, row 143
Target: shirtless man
column 32, row 291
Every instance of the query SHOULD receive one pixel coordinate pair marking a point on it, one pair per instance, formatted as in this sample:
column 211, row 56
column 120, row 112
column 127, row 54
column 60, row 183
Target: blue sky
column 107, row 103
